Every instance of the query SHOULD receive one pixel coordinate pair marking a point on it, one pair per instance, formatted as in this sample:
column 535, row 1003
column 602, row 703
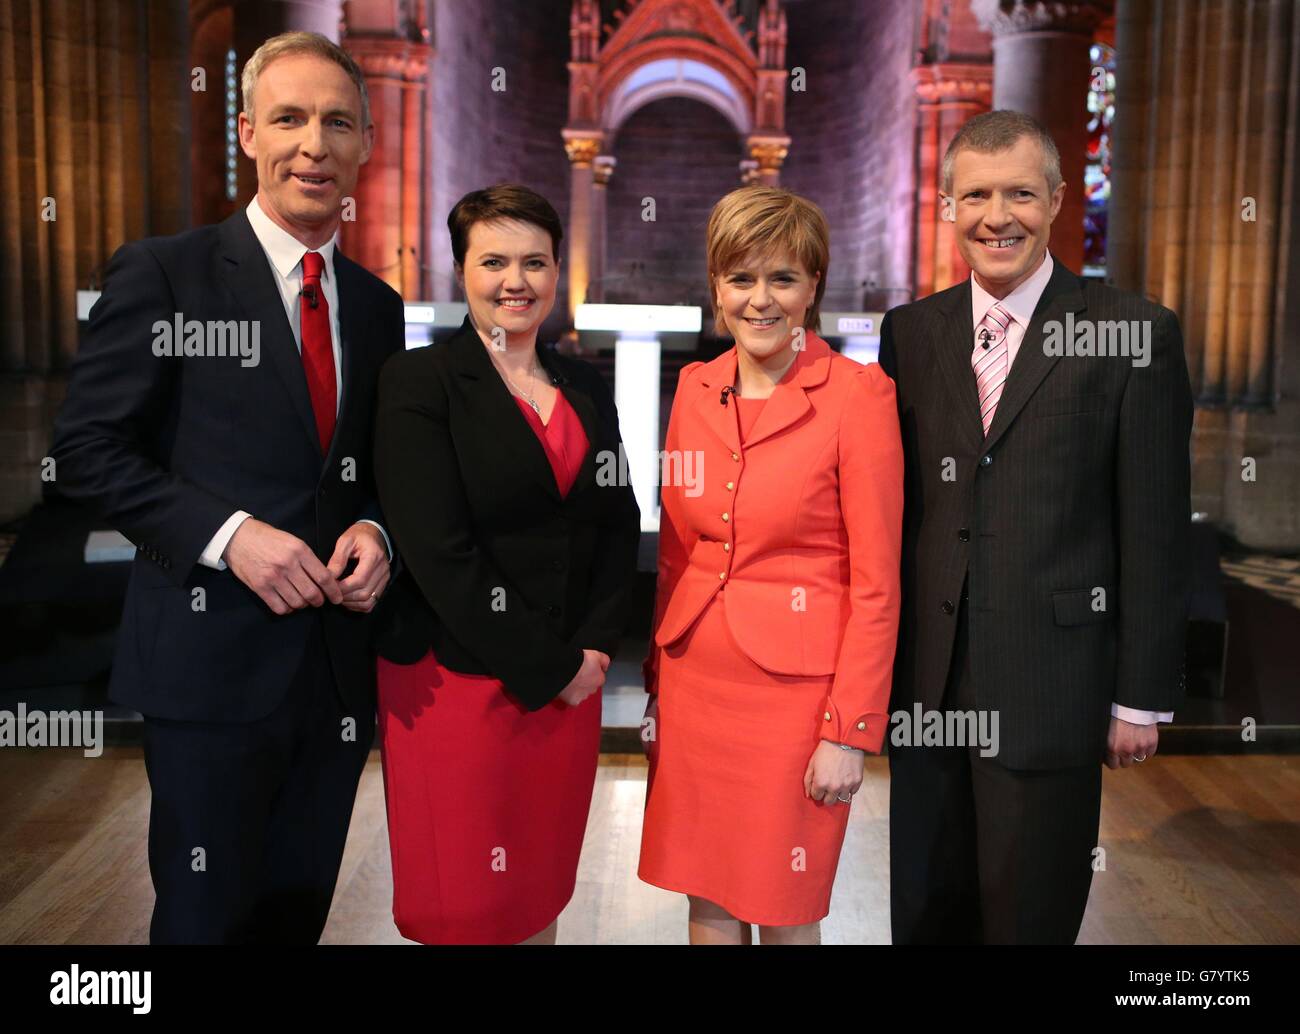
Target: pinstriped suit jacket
column 1071, row 520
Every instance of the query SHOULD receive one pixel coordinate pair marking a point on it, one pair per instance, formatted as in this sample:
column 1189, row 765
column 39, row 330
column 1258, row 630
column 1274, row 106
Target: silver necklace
column 526, row 396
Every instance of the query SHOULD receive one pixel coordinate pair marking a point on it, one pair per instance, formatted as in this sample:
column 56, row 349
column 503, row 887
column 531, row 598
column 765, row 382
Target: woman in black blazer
column 516, row 562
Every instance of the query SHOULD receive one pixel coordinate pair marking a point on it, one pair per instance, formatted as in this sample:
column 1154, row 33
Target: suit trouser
column 981, row 853
column 248, row 820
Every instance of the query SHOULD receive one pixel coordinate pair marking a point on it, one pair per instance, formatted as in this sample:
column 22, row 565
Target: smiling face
column 509, row 277
column 1004, row 213
column 307, row 139
column 763, row 299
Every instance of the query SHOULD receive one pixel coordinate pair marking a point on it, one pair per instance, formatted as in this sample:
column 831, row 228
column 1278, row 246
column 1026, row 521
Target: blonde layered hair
column 765, row 221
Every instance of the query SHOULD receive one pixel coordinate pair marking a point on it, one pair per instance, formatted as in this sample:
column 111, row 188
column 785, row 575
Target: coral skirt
column 726, row 818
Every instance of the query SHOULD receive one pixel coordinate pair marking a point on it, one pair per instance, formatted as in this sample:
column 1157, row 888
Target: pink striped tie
column 989, row 361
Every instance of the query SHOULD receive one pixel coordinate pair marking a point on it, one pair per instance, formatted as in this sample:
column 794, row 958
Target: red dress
column 487, row 802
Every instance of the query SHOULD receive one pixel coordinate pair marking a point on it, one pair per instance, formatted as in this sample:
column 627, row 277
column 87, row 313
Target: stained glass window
column 232, row 128
column 1096, row 172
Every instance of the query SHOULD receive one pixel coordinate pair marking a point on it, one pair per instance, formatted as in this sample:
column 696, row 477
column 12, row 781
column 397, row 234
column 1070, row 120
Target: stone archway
column 695, row 49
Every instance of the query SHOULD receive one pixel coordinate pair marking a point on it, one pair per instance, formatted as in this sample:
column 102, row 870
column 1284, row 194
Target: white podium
column 636, row 384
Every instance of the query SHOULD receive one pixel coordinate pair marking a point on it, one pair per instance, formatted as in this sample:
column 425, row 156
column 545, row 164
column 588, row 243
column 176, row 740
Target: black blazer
column 500, row 575
column 1083, row 483
column 166, row 449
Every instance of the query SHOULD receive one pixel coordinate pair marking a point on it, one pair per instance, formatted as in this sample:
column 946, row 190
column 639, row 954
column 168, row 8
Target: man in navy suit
column 219, row 414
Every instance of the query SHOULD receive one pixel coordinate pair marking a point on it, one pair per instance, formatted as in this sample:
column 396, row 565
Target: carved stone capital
column 581, row 146
column 948, row 81
column 387, row 57
column 603, row 168
column 1009, row 17
column 768, row 151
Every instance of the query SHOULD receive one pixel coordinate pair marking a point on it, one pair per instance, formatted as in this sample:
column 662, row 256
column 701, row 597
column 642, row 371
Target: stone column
column 256, row 21
column 582, row 147
column 769, row 151
column 602, row 169
column 947, row 95
column 1041, row 67
column 387, row 236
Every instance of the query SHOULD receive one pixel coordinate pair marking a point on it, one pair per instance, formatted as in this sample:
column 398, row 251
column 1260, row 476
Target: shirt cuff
column 1136, row 716
column 388, row 543
column 211, row 555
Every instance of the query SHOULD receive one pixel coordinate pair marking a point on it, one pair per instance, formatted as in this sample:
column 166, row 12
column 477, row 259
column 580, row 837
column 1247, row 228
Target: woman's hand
column 590, row 677
column 833, row 773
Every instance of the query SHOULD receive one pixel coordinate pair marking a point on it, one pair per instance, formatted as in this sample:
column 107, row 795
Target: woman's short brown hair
column 766, row 220
column 501, row 201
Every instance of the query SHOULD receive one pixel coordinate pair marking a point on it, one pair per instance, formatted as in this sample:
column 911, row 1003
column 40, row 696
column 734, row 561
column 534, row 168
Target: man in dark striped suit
column 1045, row 421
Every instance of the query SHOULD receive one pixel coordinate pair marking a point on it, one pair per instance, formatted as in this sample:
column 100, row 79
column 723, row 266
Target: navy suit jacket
column 165, row 449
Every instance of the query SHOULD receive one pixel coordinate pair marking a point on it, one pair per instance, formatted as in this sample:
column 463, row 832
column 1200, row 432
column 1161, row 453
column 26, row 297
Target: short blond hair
column 301, row 43
column 764, row 221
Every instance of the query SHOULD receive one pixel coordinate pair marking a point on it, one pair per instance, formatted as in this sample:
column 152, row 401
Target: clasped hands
column 286, row 574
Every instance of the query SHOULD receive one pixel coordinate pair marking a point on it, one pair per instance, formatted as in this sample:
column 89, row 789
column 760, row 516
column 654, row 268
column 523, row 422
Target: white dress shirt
column 1020, row 305
column 284, row 252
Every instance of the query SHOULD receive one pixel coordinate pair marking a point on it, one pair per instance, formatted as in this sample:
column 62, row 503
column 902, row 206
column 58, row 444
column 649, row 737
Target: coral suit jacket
column 810, row 561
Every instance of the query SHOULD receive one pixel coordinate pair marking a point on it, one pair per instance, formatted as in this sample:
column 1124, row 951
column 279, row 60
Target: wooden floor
column 1198, row 850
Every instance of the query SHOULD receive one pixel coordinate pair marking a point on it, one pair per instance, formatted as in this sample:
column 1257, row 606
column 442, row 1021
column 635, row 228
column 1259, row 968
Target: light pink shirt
column 1020, row 305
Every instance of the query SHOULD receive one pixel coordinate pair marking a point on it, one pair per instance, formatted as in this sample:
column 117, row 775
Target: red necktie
column 317, row 348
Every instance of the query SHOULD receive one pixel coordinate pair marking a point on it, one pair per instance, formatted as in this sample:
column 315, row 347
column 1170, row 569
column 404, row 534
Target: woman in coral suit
column 778, row 592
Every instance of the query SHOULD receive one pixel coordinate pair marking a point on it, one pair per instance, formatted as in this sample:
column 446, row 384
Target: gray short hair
column 996, row 131
column 301, row 43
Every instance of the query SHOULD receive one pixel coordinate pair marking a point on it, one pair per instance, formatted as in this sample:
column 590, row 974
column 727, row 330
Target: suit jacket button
column 726, row 517
column 827, row 716
column 964, row 534
column 862, row 726
column 736, row 457
column 986, row 460
column 553, row 611
column 557, row 565
column 947, row 607
column 731, row 485
column 726, row 547
column 722, row 575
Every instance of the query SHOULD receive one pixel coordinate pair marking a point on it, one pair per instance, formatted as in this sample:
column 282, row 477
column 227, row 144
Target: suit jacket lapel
column 954, row 351
column 252, row 282
column 789, row 401
column 720, row 419
column 500, row 411
column 351, row 328
column 1061, row 295
column 583, row 405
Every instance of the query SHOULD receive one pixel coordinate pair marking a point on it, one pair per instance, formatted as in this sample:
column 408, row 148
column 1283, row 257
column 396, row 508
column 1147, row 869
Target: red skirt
column 487, row 803
column 726, row 817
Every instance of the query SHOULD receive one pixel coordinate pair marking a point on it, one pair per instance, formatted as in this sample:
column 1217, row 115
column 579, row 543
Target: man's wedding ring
column 844, row 800
column 1139, row 757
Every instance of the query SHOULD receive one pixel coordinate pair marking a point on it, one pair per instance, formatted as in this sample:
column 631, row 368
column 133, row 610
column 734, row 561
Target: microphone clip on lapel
column 730, row 389
column 985, row 336
column 313, row 299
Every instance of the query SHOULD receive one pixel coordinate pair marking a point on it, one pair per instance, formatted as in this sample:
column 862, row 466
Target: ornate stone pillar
column 387, row 236
column 582, row 148
column 602, row 169
column 947, row 95
column 768, row 151
column 1041, row 67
